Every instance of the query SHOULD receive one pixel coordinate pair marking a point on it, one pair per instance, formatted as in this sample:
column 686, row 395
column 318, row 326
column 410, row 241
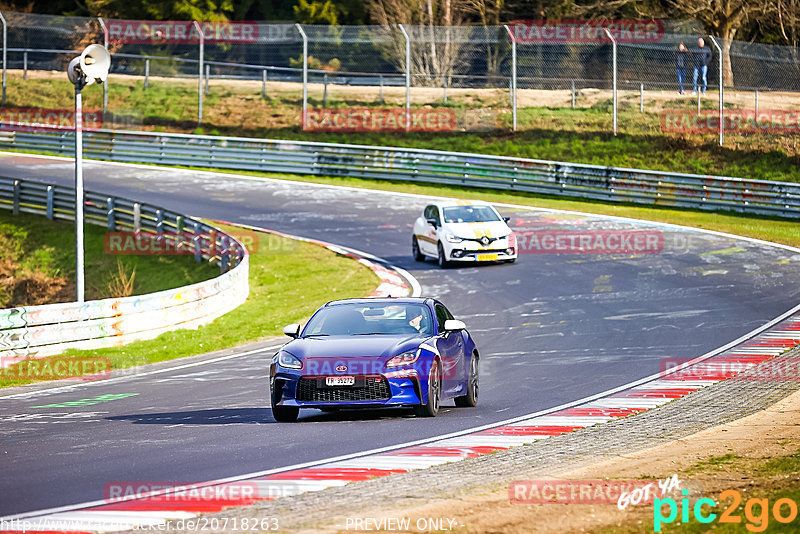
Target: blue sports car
column 375, row 352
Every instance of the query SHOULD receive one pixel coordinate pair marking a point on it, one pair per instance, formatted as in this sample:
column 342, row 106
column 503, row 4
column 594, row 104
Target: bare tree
column 429, row 23
column 488, row 13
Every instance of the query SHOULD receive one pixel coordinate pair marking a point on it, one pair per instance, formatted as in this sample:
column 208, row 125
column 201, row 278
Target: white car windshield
column 469, row 214
column 366, row 319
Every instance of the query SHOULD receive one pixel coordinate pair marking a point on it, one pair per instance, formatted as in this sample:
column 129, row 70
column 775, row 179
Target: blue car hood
column 381, row 347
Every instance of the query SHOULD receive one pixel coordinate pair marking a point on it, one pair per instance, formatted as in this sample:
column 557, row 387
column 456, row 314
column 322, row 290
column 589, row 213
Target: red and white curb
column 157, row 508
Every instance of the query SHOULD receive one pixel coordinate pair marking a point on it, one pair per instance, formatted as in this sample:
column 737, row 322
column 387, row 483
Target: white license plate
column 487, row 257
column 340, row 380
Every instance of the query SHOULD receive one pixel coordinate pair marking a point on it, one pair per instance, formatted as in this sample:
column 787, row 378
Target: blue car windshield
column 467, row 214
column 370, row 318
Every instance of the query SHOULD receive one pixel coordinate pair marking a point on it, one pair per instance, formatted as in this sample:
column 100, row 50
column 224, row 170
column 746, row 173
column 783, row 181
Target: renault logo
column 485, row 240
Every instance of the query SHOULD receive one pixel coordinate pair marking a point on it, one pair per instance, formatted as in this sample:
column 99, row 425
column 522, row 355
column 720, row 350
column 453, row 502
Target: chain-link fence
column 481, row 74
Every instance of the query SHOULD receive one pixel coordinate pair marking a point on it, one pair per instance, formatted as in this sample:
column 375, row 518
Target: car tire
column 470, row 400
column 415, row 251
column 431, row 408
column 441, row 258
column 282, row 414
column 512, row 260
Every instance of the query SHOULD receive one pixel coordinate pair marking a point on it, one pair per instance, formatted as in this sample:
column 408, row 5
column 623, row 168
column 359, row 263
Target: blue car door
column 451, row 349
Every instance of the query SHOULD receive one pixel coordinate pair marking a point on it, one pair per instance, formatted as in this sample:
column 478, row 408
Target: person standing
column 681, row 58
column 702, row 58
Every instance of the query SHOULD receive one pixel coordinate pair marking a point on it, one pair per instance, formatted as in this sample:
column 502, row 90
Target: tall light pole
column 90, row 67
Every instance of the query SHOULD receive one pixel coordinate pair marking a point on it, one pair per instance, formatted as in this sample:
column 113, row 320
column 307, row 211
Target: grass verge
column 547, row 128
column 288, row 282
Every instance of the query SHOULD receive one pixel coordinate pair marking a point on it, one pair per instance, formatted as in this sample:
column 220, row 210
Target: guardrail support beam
column 201, row 37
column 5, row 52
column 513, row 77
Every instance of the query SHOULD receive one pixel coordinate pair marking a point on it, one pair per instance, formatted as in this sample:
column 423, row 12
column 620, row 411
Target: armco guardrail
column 38, row 331
column 611, row 184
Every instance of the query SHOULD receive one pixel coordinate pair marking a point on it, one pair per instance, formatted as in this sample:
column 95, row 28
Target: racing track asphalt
column 550, row 328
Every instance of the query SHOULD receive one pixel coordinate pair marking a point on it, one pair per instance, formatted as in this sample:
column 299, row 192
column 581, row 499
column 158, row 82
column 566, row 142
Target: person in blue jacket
column 702, row 57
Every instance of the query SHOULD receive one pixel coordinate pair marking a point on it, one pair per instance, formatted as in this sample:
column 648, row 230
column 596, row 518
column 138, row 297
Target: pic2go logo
column 756, row 511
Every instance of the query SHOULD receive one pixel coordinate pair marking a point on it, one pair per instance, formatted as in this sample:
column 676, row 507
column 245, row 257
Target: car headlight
column 289, row 360
column 453, row 238
column 405, row 358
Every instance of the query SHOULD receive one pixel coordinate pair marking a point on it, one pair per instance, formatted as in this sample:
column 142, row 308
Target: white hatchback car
column 462, row 231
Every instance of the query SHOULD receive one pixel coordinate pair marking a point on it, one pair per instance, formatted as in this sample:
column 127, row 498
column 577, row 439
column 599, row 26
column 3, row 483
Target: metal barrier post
column 325, row 90
column 25, row 65
column 50, row 199
column 408, row 76
column 5, row 50
column 16, row 193
column 380, row 77
column 513, row 77
column 614, row 79
column 105, row 45
column 721, row 94
column 264, row 84
column 146, row 72
column 111, row 216
column 202, row 39
column 208, row 75
column 305, row 74
column 698, row 102
column 444, row 83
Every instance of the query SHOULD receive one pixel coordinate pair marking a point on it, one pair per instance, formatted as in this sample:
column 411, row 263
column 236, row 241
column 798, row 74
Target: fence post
column 105, row 45
column 513, row 77
column 408, row 76
column 380, row 78
column 5, row 50
column 202, row 39
column 756, row 115
column 444, row 82
column 721, row 94
column 208, row 75
column 146, row 72
column 641, row 98
column 573, row 94
column 614, row 79
column 305, row 74
column 25, row 65
column 264, row 84
column 325, row 90
column 698, row 103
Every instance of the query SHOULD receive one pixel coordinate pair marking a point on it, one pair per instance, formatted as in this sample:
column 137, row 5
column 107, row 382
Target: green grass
column 553, row 133
column 35, row 248
column 287, row 284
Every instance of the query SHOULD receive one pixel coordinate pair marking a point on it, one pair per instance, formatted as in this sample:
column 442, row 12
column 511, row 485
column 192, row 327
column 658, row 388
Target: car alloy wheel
column 442, row 259
column 281, row 414
column 431, row 408
column 470, row 400
column 415, row 251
